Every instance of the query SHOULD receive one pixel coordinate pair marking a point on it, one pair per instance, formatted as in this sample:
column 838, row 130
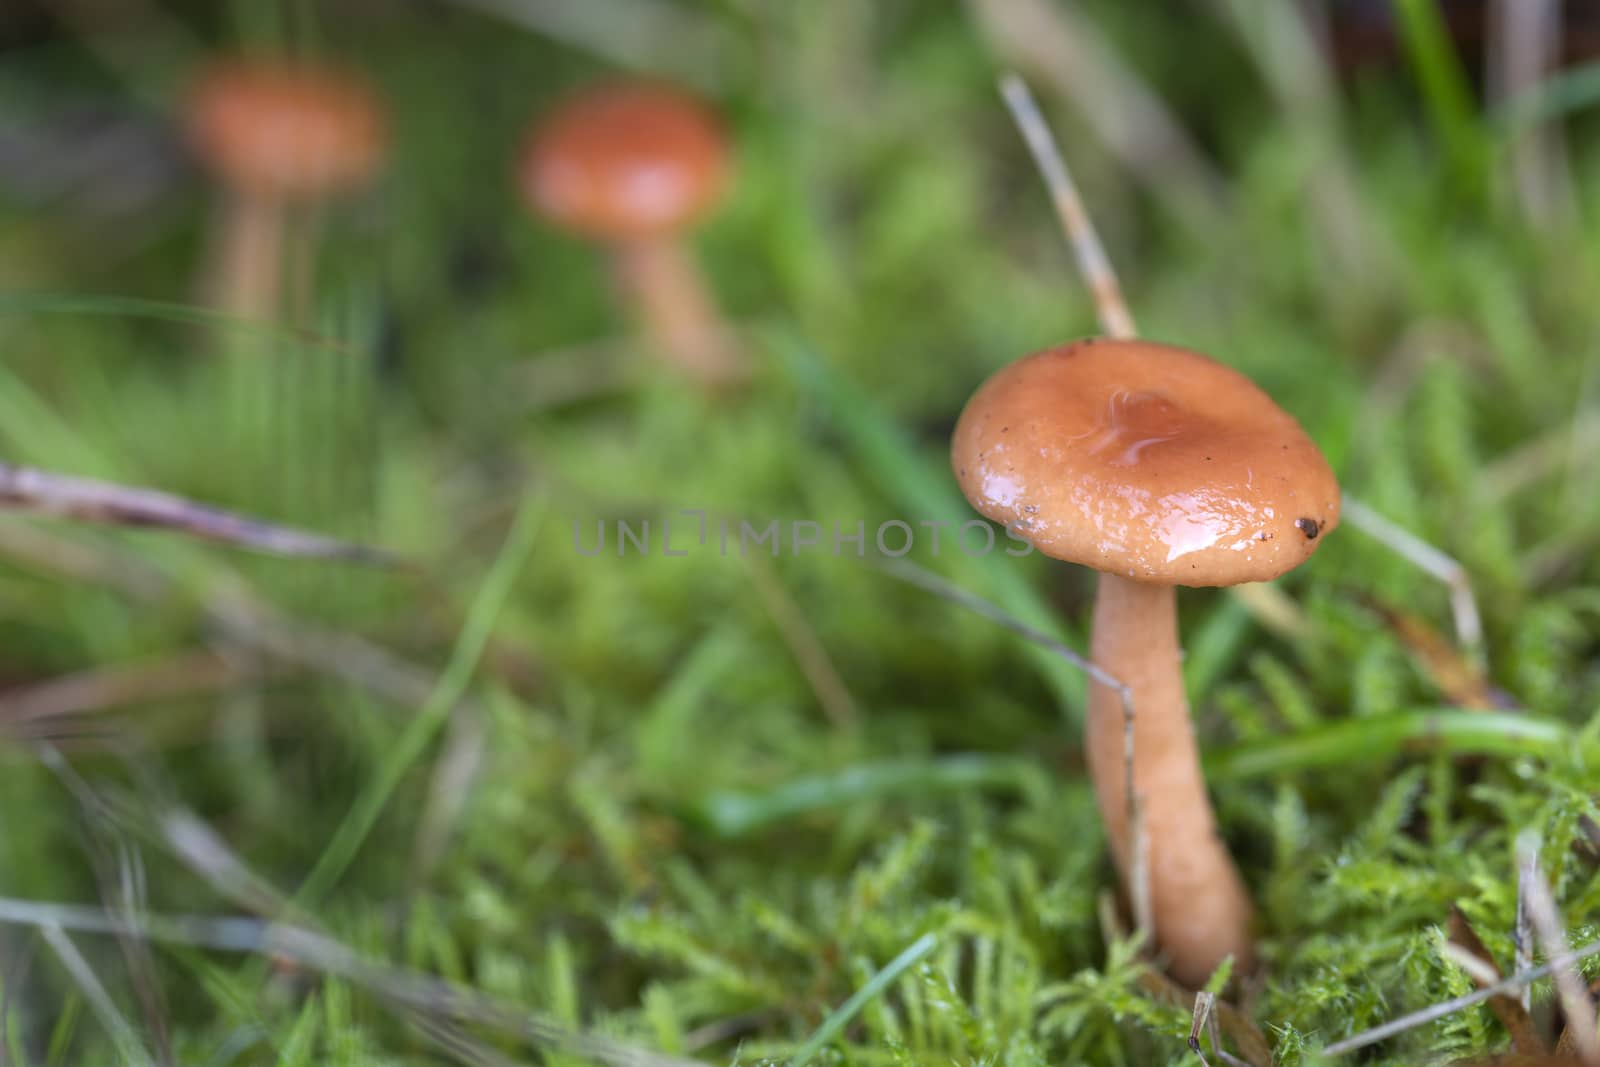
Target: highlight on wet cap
column 626, row 161
column 1147, row 461
column 279, row 128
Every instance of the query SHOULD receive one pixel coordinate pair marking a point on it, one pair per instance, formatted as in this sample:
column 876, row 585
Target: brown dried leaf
column 1241, row 1029
column 1525, row 1039
column 1462, row 681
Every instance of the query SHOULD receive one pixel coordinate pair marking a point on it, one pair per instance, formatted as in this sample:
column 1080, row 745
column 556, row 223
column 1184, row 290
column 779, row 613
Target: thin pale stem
column 1093, row 263
column 1525, row 47
column 83, row 973
column 1515, row 982
column 1199, row 907
column 1522, row 933
column 1463, row 604
column 1066, row 50
column 1545, row 918
column 677, row 312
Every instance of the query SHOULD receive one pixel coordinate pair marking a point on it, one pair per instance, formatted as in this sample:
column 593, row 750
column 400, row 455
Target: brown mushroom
column 276, row 133
column 633, row 165
column 1157, row 467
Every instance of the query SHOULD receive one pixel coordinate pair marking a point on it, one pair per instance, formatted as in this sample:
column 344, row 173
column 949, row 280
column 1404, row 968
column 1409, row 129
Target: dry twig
column 409, row 990
column 63, row 496
column 1512, row 1011
column 1518, row 981
column 105, row 688
column 1060, row 45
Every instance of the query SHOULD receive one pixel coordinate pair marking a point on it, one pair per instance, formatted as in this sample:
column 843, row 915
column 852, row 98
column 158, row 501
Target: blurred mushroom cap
column 1147, row 461
column 283, row 129
column 625, row 161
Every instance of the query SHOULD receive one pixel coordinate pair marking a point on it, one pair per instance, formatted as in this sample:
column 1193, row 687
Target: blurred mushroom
column 276, row 133
column 633, row 165
column 1157, row 467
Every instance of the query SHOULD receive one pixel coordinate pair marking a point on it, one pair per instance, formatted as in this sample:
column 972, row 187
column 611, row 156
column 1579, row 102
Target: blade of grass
column 1358, row 740
column 632, row 33
column 665, row 739
column 421, row 730
column 1445, row 91
column 841, row 1016
column 33, row 431
column 162, row 311
column 734, row 813
column 1213, row 645
column 1556, row 97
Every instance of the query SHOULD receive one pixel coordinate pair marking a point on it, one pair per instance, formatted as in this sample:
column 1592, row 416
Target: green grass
column 645, row 828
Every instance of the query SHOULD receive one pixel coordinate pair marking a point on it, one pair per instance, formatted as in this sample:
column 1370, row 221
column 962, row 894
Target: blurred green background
column 686, row 807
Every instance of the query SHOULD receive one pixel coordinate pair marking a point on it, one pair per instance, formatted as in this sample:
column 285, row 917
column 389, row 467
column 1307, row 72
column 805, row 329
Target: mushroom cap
column 1147, row 461
column 276, row 128
column 625, row 161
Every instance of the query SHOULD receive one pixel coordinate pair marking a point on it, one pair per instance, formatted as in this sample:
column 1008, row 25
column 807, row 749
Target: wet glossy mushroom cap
column 625, row 162
column 1147, row 461
column 280, row 129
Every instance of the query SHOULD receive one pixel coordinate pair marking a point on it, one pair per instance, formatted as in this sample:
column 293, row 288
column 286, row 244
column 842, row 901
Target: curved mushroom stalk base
column 677, row 313
column 1198, row 903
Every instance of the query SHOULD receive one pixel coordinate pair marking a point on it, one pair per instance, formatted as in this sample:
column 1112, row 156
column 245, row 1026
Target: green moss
column 668, row 834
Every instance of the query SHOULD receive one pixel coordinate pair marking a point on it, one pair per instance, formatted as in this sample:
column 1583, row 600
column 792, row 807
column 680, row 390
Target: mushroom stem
column 1198, row 903
column 677, row 312
column 248, row 255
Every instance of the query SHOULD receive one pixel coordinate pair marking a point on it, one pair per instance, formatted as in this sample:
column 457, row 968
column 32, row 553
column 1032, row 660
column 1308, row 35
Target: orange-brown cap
column 625, row 161
column 277, row 128
column 1147, row 461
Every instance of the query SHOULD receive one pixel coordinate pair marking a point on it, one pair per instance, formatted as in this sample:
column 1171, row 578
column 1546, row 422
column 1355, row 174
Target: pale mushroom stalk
column 1198, row 901
column 661, row 281
column 248, row 256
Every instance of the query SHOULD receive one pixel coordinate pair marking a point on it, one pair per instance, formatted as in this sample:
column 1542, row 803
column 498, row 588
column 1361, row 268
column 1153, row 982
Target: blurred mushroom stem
column 247, row 262
column 1198, row 903
column 662, row 282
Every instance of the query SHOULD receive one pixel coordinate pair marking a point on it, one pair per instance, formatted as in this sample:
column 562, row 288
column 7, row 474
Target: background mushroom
column 1157, row 467
column 633, row 165
column 276, row 133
